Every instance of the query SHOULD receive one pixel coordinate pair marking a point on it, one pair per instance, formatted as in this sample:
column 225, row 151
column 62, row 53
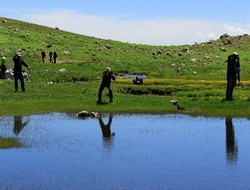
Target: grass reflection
column 6, row 143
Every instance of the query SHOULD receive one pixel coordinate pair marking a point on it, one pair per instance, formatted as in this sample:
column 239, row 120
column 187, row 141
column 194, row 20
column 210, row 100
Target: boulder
column 83, row 114
column 86, row 114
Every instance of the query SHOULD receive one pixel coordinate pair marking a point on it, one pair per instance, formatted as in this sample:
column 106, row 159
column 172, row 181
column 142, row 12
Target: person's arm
column 113, row 76
column 238, row 69
column 24, row 64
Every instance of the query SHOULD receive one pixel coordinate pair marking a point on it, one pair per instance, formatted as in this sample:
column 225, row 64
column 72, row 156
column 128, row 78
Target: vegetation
column 192, row 74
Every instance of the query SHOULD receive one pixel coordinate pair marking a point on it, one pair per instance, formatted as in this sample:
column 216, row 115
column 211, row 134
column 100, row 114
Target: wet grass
column 193, row 98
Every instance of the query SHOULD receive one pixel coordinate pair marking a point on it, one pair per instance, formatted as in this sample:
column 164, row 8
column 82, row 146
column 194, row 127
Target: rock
column 108, row 46
column 94, row 114
column 223, row 49
column 174, row 101
column 83, row 114
column 62, row 70
column 193, row 60
column 224, row 36
column 185, row 49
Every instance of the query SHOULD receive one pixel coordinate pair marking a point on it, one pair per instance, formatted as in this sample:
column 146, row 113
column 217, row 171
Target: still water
column 117, row 151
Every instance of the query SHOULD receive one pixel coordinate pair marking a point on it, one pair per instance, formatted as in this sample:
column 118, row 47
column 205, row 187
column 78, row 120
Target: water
column 147, row 152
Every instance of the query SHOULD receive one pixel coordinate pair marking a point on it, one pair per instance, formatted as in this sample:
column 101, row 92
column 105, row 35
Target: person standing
column 106, row 82
column 54, row 56
column 233, row 67
column 43, row 54
column 18, row 72
column 3, row 66
column 50, row 56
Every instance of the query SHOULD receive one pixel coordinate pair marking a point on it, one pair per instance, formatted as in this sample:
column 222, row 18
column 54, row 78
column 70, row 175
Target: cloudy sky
column 154, row 22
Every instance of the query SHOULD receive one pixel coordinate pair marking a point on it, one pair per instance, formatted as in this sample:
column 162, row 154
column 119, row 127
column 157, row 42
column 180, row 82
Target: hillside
column 187, row 71
column 204, row 61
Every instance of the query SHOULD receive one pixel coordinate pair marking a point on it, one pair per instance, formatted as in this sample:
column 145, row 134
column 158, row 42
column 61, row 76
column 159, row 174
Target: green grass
column 196, row 78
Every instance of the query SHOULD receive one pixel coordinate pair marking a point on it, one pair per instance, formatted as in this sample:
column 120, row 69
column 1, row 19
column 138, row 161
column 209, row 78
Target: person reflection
column 106, row 132
column 18, row 124
column 231, row 146
column 106, row 128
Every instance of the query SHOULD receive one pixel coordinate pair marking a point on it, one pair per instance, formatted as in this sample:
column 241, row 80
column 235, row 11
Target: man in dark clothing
column 233, row 68
column 43, row 54
column 106, row 82
column 50, row 56
column 54, row 56
column 18, row 74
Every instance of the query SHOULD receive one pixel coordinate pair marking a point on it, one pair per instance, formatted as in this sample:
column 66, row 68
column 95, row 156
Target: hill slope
column 203, row 61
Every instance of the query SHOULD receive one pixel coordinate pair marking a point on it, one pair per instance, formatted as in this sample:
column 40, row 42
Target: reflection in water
column 169, row 151
column 231, row 146
column 106, row 130
column 18, row 124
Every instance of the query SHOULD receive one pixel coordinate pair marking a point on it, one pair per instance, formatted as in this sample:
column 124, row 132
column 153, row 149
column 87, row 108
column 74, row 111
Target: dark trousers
column 231, row 82
column 101, row 89
column 19, row 76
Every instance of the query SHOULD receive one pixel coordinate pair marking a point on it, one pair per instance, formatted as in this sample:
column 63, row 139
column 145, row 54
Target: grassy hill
column 190, row 73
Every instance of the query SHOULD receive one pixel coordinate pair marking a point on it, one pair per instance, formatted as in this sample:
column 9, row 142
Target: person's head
column 108, row 69
column 235, row 54
column 18, row 54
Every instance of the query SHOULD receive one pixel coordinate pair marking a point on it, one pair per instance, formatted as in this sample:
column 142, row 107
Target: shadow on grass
column 102, row 103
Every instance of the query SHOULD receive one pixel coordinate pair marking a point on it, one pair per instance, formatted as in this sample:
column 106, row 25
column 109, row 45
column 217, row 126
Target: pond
column 123, row 151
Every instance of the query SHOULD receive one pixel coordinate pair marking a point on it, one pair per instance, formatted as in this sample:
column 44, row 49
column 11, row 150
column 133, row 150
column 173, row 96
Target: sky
column 152, row 22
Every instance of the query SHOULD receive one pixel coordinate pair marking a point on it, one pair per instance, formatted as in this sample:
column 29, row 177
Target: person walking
column 233, row 68
column 18, row 72
column 43, row 54
column 106, row 82
column 50, row 56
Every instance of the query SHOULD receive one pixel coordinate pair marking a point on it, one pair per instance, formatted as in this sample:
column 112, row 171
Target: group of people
column 52, row 56
column 233, row 74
